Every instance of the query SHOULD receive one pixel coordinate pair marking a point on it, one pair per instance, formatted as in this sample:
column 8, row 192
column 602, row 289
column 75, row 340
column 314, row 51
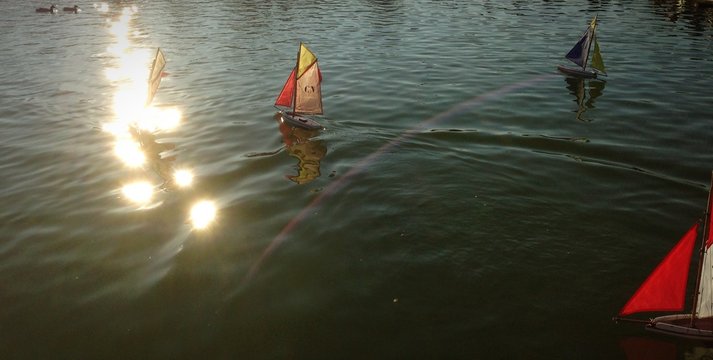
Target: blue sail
column 580, row 51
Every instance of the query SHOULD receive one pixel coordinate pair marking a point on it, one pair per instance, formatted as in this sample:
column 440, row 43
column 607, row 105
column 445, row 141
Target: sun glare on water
column 183, row 178
column 130, row 153
column 203, row 214
column 138, row 192
column 135, row 123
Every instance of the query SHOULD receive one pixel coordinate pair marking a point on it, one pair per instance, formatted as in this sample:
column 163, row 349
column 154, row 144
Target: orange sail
column 665, row 288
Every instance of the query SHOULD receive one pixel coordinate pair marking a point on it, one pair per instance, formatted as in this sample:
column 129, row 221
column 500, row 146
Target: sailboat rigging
column 159, row 62
column 665, row 288
column 579, row 54
column 302, row 93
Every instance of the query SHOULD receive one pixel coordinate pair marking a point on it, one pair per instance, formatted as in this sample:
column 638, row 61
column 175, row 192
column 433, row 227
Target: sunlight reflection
column 203, row 214
column 135, row 124
column 129, row 104
column 154, row 119
column 138, row 192
column 129, row 152
column 183, row 178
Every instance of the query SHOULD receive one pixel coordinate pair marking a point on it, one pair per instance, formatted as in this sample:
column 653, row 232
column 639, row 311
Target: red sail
column 665, row 288
column 288, row 92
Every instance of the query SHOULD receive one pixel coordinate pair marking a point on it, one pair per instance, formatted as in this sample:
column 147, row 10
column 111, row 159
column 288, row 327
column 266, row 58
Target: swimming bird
column 75, row 9
column 52, row 10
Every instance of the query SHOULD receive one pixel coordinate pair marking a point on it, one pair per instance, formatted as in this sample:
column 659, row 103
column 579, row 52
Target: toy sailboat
column 302, row 93
column 159, row 62
column 665, row 288
column 580, row 55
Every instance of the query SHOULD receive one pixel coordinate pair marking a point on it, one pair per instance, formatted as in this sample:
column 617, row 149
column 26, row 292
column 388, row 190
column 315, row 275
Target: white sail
column 159, row 63
column 309, row 92
column 704, row 308
column 704, row 305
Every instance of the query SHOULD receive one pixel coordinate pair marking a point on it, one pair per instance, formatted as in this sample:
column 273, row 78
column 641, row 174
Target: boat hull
column 577, row 72
column 299, row 121
column 680, row 326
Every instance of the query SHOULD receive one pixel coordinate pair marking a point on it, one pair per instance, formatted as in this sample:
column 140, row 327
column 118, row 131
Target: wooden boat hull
column 577, row 72
column 299, row 121
column 680, row 326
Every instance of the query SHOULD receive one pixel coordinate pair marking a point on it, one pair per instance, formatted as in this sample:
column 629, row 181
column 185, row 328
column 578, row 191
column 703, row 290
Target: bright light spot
column 155, row 119
column 202, row 214
column 129, row 104
column 138, row 192
column 130, row 153
column 183, row 178
column 118, row 129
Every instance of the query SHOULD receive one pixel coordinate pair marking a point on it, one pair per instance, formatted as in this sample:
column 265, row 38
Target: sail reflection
column 156, row 159
column 309, row 152
column 585, row 94
column 639, row 348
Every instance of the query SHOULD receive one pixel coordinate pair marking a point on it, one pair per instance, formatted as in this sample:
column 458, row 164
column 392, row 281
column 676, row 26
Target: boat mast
column 591, row 40
column 706, row 218
column 294, row 92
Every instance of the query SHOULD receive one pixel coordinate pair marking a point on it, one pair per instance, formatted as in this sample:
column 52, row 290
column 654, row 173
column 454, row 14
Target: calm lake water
column 464, row 201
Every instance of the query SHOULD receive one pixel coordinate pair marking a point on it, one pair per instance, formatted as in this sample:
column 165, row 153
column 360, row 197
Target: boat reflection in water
column 585, row 92
column 158, row 158
column 309, row 152
column 640, row 348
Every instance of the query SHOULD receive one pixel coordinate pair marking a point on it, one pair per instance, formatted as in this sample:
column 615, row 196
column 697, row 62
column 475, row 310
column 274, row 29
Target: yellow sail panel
column 305, row 59
column 597, row 61
column 159, row 63
column 308, row 99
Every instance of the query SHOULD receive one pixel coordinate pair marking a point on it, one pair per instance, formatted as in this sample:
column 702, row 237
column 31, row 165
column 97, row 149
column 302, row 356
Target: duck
column 52, row 10
column 75, row 9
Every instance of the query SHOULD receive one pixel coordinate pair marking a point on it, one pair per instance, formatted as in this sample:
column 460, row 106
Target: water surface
column 464, row 201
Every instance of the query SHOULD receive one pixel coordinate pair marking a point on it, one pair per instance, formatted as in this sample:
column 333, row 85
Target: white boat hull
column 299, row 121
column 680, row 325
column 577, row 72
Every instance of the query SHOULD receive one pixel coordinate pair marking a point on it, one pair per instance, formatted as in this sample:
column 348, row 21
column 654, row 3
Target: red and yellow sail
column 303, row 89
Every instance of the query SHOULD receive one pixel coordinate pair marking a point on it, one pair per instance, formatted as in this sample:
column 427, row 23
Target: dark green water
column 464, row 201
